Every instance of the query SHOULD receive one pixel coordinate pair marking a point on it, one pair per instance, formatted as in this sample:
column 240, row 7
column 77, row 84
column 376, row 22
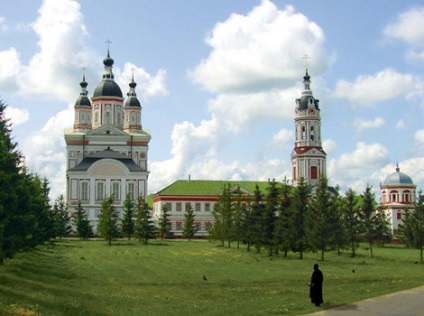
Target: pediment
column 107, row 129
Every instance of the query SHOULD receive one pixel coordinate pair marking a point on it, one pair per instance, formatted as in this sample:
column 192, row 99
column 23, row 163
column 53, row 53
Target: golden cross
column 306, row 57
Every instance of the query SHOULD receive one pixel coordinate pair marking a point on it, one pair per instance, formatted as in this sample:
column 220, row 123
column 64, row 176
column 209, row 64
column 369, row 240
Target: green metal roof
column 209, row 187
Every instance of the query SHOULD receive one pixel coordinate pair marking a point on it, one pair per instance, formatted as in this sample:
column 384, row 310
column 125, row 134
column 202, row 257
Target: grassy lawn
column 166, row 277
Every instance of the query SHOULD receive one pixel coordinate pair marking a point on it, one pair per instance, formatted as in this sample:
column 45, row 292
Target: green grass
column 90, row 278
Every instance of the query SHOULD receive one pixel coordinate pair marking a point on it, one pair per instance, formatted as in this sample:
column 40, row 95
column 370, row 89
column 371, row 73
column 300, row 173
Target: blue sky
column 218, row 82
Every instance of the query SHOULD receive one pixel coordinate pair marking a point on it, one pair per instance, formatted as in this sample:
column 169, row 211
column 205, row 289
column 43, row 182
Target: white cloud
column 353, row 169
column 148, row 86
column 239, row 112
column 368, row 90
column 419, row 142
column 16, row 115
column 329, row 146
column 361, row 124
column 408, row 27
column 10, row 67
column 283, row 136
column 44, row 150
column 400, row 124
column 260, row 50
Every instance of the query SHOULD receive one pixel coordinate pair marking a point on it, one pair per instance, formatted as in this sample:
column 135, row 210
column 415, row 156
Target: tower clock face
column 311, row 111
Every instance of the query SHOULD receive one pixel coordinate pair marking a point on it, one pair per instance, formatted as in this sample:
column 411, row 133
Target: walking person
column 315, row 292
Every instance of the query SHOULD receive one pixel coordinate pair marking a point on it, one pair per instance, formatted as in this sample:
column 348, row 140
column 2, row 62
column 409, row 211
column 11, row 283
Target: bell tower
column 308, row 157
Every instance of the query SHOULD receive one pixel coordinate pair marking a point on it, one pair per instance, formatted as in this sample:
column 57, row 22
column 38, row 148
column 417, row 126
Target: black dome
column 83, row 101
column 107, row 88
column 306, row 100
column 132, row 102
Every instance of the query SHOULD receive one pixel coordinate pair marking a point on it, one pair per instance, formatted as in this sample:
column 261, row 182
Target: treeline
column 26, row 216
column 298, row 219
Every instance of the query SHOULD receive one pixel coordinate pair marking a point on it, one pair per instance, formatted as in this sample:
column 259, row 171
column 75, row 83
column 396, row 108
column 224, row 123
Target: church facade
column 107, row 147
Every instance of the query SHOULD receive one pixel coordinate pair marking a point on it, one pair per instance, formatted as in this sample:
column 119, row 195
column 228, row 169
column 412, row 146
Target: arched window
column 303, row 133
column 107, row 117
column 312, row 133
column 132, row 117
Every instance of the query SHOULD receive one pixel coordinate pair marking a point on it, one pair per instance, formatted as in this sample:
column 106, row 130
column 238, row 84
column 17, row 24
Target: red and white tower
column 308, row 157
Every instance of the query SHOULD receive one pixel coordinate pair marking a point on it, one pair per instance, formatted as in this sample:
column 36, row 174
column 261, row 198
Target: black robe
column 316, row 287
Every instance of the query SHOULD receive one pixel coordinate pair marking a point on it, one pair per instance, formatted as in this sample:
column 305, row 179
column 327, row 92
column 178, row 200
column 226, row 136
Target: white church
column 107, row 148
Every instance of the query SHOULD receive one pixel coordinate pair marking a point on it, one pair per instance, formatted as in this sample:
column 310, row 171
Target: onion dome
column 83, row 100
column 397, row 178
column 132, row 100
column 108, row 87
column 307, row 100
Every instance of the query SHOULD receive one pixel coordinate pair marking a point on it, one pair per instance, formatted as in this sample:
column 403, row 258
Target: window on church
column 314, row 172
column 119, row 118
column 179, row 208
column 169, row 206
column 197, row 207
column 131, row 191
column 207, row 207
column 100, row 191
column 84, row 191
column 116, row 191
column 399, row 215
column 303, row 133
column 132, row 117
column 107, row 117
column 312, row 133
column 96, row 117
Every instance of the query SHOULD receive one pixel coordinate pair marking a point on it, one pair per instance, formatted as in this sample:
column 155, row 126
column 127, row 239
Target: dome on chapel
column 397, row 178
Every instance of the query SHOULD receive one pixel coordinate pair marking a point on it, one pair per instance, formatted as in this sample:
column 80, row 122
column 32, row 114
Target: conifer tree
column 144, row 228
column 127, row 222
column 322, row 220
column 268, row 217
column 352, row 221
column 83, row 228
column 412, row 227
column 108, row 220
column 370, row 220
column 223, row 228
column 238, row 211
column 257, row 213
column 302, row 195
column 285, row 233
column 164, row 228
column 62, row 225
column 189, row 227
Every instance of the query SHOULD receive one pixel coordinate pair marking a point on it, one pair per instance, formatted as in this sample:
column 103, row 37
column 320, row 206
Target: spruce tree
column 62, row 225
column 127, row 222
column 144, row 228
column 412, row 227
column 371, row 219
column 302, row 195
column 164, row 228
column 223, row 229
column 322, row 220
column 268, row 217
column 285, row 233
column 352, row 220
column 83, row 228
column 189, row 228
column 257, row 213
column 247, row 225
column 108, row 221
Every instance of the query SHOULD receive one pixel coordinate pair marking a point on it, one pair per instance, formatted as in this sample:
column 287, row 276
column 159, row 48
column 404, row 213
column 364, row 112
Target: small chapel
column 107, row 147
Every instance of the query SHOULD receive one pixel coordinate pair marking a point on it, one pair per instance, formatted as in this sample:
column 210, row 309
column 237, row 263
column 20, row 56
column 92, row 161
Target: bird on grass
column 205, row 278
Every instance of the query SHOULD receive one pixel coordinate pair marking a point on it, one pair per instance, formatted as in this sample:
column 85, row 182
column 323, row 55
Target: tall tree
column 223, row 228
column 238, row 213
column 412, row 228
column 268, row 217
column 285, row 233
column 127, row 222
column 83, row 228
column 372, row 220
column 62, row 219
column 144, row 228
column 350, row 212
column 164, row 228
column 257, row 212
column 108, row 220
column 189, row 228
column 322, row 220
column 247, row 224
column 302, row 195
